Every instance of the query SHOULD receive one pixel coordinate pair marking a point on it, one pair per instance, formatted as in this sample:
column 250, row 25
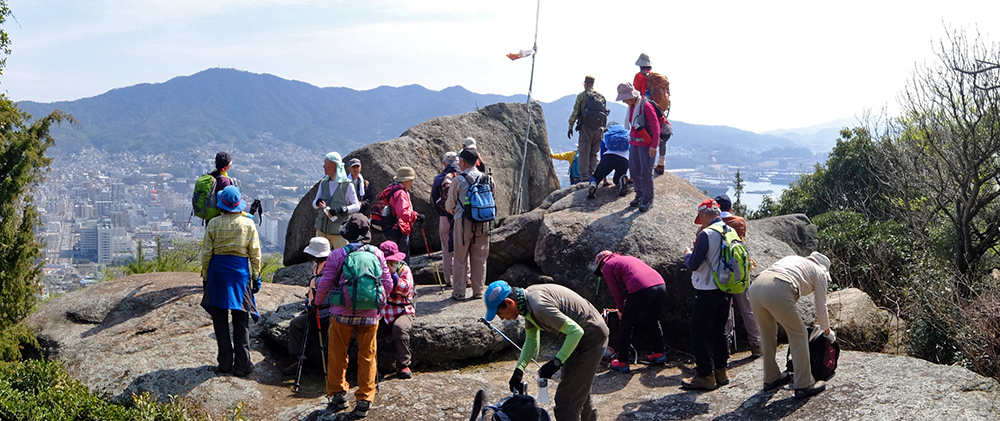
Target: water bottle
column 543, row 391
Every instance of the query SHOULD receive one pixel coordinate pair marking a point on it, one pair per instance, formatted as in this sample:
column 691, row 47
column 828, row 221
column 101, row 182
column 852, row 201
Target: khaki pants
column 340, row 339
column 472, row 248
column 444, row 232
column 773, row 301
column 587, row 149
column 336, row 241
column 572, row 399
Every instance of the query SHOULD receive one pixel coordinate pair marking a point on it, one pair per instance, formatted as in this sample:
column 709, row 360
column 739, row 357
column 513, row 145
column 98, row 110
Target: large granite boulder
column 796, row 230
column 499, row 131
column 859, row 323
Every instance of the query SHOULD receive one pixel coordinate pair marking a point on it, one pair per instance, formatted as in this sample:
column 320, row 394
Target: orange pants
column 340, row 339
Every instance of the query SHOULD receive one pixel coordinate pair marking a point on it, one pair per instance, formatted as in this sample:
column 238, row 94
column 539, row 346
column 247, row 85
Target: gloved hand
column 515, row 381
column 342, row 210
column 549, row 368
column 421, row 217
column 395, row 277
column 832, row 337
column 255, row 285
column 569, row 134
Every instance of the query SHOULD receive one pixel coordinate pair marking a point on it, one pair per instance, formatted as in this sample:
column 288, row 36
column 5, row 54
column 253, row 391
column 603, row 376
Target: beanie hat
column 222, row 159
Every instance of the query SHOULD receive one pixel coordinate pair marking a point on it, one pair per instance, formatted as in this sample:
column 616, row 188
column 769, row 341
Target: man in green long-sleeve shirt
column 558, row 310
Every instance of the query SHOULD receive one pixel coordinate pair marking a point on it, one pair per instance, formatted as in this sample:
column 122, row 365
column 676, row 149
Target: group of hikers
column 356, row 287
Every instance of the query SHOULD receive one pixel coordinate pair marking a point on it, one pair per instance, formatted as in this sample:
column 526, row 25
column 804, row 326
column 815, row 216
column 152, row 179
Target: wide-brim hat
column 588, row 79
column 450, row 157
column 404, row 174
column 643, row 61
column 230, row 199
column 820, row 259
column 626, row 91
column 469, row 142
column 705, row 204
column 356, row 229
column 391, row 251
column 495, row 294
column 319, row 247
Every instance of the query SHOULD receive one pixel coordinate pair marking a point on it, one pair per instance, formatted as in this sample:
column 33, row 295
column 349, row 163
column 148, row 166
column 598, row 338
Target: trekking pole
column 483, row 320
column 322, row 346
column 430, row 261
column 302, row 356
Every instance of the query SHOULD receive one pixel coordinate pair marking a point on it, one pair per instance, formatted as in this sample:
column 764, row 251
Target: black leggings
column 642, row 310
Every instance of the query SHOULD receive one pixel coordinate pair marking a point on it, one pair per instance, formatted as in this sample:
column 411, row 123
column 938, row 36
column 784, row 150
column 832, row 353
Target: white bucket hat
column 318, row 247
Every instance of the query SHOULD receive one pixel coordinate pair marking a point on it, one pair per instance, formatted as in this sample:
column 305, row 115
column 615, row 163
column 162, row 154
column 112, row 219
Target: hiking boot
column 700, row 383
column 477, row 297
column 635, row 202
column 782, row 380
column 406, row 373
column 592, row 191
column 657, row 358
column 338, row 402
column 813, row 390
column 241, row 373
column 361, row 409
column 644, row 206
column 721, row 377
column 659, row 169
column 755, row 351
column 619, row 366
column 623, row 186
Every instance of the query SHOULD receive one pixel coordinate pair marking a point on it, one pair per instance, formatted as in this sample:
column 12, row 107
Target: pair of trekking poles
column 312, row 312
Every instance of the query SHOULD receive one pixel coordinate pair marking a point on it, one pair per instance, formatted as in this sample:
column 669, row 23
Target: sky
column 756, row 66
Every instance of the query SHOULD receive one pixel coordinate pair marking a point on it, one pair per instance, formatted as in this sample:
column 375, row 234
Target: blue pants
column 610, row 162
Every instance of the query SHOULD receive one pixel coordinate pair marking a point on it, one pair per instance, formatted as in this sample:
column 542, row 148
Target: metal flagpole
column 527, row 133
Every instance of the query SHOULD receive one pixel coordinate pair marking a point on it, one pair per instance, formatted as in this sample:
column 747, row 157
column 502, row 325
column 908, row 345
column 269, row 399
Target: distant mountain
column 820, row 138
column 255, row 112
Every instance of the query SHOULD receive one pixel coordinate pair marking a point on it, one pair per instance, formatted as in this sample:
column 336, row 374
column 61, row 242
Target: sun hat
column 404, row 174
column 318, row 247
column 341, row 174
column 391, row 251
column 626, row 91
column 469, row 142
column 356, row 229
column 643, row 61
column 231, row 200
column 495, row 294
column 450, row 157
column 588, row 79
column 705, row 204
column 820, row 259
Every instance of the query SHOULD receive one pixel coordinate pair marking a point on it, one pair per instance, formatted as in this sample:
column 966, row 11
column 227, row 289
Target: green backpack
column 734, row 259
column 362, row 280
column 203, row 202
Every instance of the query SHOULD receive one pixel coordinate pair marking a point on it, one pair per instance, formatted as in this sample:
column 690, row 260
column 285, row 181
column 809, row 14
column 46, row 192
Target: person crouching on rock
column 398, row 314
column 350, row 280
column 230, row 272
column 319, row 249
column 639, row 293
column 557, row 310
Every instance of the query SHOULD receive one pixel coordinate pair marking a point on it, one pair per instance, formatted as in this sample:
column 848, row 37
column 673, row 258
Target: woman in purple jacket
column 639, row 293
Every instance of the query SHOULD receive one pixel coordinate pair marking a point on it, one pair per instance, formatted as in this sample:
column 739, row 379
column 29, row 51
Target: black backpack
column 595, row 111
column 520, row 408
column 823, row 355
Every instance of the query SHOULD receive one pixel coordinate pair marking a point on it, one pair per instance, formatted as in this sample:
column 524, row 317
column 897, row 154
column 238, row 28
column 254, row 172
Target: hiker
column 223, row 161
column 773, row 295
column 360, row 185
column 614, row 157
column 398, row 312
column 588, row 144
column 710, row 310
column 335, row 201
column 639, row 293
column 574, row 164
column 657, row 93
column 319, row 249
column 470, row 143
column 644, row 133
column 446, row 224
column 399, row 201
column 346, row 320
column 741, row 300
column 471, row 239
column 556, row 310
column 230, row 273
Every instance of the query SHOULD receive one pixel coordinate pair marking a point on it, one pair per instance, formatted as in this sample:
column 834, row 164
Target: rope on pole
column 527, row 133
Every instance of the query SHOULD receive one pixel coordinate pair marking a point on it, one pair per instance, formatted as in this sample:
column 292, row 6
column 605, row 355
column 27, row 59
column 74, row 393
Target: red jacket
column 401, row 206
column 650, row 134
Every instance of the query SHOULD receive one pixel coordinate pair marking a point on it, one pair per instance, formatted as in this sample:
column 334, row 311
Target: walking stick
column 302, row 355
column 427, row 248
column 322, row 346
column 483, row 320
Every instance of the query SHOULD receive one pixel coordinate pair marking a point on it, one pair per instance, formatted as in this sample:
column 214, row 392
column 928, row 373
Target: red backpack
column 381, row 215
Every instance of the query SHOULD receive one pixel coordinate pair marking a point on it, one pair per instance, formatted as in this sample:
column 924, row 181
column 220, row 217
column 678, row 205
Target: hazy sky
column 752, row 65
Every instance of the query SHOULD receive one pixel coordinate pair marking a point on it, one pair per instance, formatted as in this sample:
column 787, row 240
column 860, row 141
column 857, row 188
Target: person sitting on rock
column 639, row 293
column 398, row 313
column 319, row 249
column 556, row 310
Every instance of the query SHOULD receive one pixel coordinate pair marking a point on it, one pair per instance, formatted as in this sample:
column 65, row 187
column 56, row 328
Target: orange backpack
column 659, row 90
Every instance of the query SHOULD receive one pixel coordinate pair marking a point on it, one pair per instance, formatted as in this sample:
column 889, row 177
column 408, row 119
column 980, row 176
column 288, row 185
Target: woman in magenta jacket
column 639, row 293
column 644, row 129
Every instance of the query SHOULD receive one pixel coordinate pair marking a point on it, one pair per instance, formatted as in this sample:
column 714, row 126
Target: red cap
column 705, row 204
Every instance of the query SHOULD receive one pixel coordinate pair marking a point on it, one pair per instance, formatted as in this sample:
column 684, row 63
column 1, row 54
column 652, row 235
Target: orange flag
column 521, row 54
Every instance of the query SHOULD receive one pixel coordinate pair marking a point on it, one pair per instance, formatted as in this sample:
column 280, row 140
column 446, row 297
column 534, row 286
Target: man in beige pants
column 471, row 239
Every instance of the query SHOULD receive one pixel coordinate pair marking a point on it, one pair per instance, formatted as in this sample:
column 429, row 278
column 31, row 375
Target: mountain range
column 253, row 112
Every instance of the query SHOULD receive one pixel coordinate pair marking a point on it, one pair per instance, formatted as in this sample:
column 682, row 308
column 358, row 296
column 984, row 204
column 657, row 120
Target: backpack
column 616, row 138
column 442, row 193
column 823, row 355
column 362, row 274
column 595, row 111
column 734, row 259
column 382, row 216
column 520, row 408
column 203, row 202
column 479, row 205
column 659, row 89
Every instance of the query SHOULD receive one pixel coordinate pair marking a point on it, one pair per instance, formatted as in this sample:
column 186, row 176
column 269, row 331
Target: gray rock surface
column 860, row 325
column 499, row 131
column 796, row 230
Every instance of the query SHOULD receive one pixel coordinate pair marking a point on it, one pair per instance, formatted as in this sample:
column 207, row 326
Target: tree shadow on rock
column 756, row 407
column 671, row 407
column 136, row 306
column 166, row 383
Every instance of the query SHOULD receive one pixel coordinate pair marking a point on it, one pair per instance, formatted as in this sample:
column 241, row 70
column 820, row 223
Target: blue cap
column 230, row 200
column 495, row 294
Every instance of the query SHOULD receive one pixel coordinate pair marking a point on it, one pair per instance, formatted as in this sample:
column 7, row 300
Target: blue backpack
column 479, row 205
column 616, row 138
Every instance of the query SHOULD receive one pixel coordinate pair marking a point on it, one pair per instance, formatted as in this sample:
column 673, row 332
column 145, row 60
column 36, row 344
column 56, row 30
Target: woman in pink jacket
column 644, row 129
column 639, row 293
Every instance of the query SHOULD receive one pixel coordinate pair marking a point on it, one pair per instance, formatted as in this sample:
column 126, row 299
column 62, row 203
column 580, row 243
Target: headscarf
column 341, row 174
